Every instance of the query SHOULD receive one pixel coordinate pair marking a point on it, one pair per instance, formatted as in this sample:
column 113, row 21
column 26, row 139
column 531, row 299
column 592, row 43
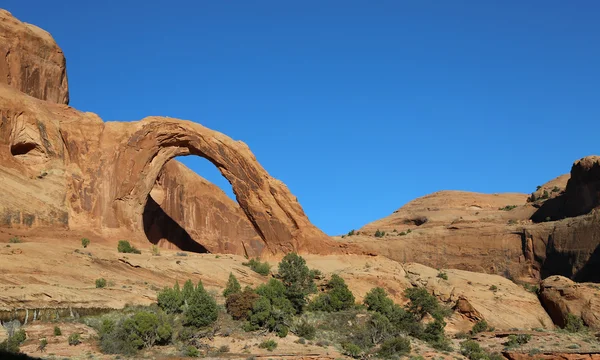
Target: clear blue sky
column 358, row 106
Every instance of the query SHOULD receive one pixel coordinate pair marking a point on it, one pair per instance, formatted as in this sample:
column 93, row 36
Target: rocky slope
column 555, row 230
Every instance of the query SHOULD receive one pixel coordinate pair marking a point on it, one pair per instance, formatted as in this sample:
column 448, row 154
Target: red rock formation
column 30, row 60
column 561, row 297
column 59, row 166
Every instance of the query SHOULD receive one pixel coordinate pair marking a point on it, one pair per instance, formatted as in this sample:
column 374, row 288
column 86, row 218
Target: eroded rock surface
column 31, row 61
column 561, row 297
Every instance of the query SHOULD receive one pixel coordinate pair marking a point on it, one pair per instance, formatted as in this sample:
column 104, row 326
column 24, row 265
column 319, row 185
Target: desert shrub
column 517, row 340
column 351, row 232
column 272, row 310
column 179, row 253
column 43, row 344
column 493, row 288
column 201, row 308
column 233, row 286
column 574, row 324
column 270, row 345
column 508, row 207
column 224, row 349
column 297, row 279
column 442, row 275
column 336, row 298
column 15, row 240
column 379, row 233
column 473, row 351
column 461, row 335
column 479, row 326
column 85, row 242
column 397, row 346
column 351, row 350
column 74, row 339
column 422, row 303
column 141, row 330
column 155, row 250
column 191, row 351
column 239, row 305
column 13, row 342
column 262, row 268
column 305, row 330
column 171, row 299
column 57, row 331
column 100, row 283
column 556, row 189
column 125, row 247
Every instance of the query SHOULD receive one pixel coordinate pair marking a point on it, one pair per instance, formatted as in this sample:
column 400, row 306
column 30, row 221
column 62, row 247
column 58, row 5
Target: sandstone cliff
column 30, row 60
column 68, row 169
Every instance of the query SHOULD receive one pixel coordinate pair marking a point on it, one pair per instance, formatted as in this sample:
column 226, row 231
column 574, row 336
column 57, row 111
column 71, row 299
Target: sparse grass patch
column 155, row 250
column 15, row 240
column 85, row 242
column 74, row 339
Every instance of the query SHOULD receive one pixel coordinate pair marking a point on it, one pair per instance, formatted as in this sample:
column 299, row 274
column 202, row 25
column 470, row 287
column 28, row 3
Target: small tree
column 336, row 298
column 85, row 242
column 145, row 329
column 574, row 323
column 297, row 279
column 202, row 308
column 233, row 286
column 188, row 291
column 397, row 346
column 170, row 299
column 240, row 304
column 479, row 326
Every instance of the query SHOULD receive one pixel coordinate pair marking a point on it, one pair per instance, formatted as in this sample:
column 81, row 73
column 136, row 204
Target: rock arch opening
column 192, row 207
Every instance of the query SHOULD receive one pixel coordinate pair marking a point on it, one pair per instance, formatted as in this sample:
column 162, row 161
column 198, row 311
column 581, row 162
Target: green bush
column 472, row 350
column 201, row 309
column 270, row 345
column 125, row 247
column 297, row 279
column 397, row 346
column 479, row 326
column 100, row 283
column 74, row 339
column 233, row 286
column 141, row 330
column 517, row 340
column 13, row 342
column 170, row 299
column 43, row 344
column 258, row 267
column 351, row 232
column 57, row 331
column 442, row 275
column 493, row 288
column 305, row 330
column 272, row 310
column 379, row 233
column 85, row 242
column 574, row 324
column 423, row 303
column 15, row 240
column 336, row 298
column 191, row 351
column 352, row 350
column 508, row 207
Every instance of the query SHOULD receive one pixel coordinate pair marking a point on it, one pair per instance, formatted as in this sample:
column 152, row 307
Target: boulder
column 561, row 297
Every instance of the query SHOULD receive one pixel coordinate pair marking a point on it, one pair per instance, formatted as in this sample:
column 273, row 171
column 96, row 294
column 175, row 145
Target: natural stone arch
column 273, row 211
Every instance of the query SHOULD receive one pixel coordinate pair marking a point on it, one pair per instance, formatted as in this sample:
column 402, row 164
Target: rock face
column 207, row 213
column 30, row 60
column 475, row 296
column 561, row 297
column 554, row 231
column 61, row 167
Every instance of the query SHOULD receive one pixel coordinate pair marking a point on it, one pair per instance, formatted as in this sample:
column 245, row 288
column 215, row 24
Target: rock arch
column 146, row 146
